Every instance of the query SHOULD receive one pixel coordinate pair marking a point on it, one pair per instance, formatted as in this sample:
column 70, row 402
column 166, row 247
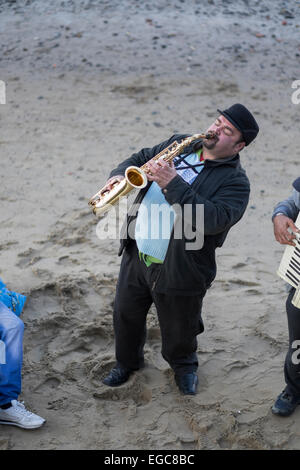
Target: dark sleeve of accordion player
column 287, row 207
column 296, row 184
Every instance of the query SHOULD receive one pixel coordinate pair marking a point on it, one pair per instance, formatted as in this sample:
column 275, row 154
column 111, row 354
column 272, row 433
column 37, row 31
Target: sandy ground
column 87, row 84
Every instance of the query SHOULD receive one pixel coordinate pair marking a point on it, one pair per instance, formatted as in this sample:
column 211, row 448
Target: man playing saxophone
column 160, row 269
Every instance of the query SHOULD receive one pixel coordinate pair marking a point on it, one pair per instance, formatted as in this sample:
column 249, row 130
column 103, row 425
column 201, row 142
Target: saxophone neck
column 189, row 140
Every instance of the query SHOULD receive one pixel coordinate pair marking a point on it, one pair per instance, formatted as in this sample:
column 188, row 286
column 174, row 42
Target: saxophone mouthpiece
column 210, row 135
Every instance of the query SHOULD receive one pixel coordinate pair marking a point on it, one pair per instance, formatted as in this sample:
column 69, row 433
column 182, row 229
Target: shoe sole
column 115, row 384
column 282, row 415
column 10, row 423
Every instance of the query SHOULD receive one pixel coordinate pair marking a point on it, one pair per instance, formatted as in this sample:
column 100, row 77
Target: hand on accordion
column 285, row 230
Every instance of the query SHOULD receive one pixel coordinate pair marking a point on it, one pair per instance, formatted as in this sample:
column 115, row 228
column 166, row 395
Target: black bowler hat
column 243, row 120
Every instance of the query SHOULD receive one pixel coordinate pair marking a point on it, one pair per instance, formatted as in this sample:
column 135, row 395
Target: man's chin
column 209, row 144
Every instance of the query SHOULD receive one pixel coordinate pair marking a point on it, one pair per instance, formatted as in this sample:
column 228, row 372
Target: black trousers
column 179, row 317
column 292, row 360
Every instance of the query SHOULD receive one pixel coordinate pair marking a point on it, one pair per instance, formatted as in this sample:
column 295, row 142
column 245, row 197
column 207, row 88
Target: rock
column 286, row 13
column 4, row 444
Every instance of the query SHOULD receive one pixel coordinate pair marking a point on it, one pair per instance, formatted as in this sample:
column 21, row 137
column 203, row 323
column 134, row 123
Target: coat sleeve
column 224, row 209
column 287, row 207
column 140, row 158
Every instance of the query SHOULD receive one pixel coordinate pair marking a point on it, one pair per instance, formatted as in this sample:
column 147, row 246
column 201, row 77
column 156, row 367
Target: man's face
column 227, row 141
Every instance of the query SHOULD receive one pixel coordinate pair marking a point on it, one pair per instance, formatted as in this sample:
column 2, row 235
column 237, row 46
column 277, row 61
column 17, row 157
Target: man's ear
column 239, row 146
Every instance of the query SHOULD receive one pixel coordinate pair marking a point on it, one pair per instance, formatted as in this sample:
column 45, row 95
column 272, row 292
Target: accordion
column 289, row 268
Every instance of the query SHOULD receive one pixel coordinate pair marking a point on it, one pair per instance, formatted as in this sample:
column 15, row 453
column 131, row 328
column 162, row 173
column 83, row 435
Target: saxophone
column 136, row 177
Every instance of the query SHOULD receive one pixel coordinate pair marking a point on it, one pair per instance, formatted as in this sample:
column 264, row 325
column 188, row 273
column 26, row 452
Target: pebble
column 286, row 13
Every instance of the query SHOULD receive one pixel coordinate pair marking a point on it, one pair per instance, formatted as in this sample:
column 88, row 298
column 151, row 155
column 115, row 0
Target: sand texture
column 87, row 84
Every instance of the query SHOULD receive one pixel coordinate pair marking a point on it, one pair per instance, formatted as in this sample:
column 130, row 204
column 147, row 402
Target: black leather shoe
column 187, row 383
column 117, row 376
column 285, row 404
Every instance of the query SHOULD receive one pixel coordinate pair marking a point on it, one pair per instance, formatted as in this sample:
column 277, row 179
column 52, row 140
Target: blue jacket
column 290, row 206
column 14, row 301
column 223, row 188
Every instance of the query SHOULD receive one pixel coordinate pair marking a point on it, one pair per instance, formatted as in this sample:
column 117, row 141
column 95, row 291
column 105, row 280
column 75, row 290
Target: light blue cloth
column 11, row 354
column 290, row 206
column 156, row 217
column 14, row 301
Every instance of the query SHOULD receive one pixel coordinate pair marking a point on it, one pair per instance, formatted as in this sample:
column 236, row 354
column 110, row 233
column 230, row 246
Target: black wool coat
column 223, row 188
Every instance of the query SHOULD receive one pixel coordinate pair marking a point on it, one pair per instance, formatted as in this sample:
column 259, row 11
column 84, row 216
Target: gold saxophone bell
column 103, row 200
column 136, row 177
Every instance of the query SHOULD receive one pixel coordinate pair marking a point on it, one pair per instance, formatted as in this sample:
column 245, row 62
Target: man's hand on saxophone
column 111, row 182
column 161, row 172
